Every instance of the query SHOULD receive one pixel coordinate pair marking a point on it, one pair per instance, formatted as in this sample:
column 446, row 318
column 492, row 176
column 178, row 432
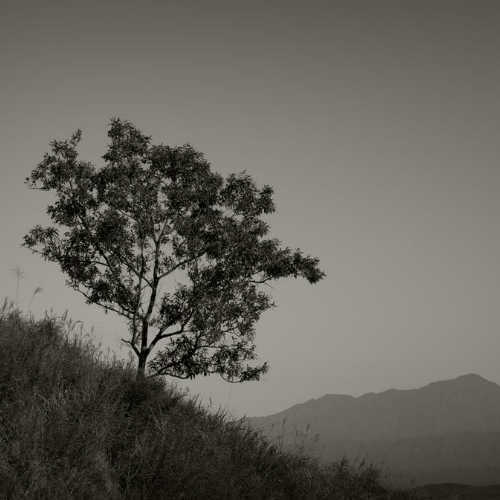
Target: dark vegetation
column 76, row 424
column 155, row 215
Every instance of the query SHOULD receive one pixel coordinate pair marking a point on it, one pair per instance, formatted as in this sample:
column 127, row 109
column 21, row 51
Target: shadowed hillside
column 447, row 431
column 76, row 425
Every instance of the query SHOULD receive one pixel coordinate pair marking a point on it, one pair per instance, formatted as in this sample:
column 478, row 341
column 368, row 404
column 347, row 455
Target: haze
column 377, row 123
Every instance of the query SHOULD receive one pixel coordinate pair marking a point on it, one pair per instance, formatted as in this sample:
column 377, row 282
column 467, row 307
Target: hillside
column 76, row 425
column 447, row 431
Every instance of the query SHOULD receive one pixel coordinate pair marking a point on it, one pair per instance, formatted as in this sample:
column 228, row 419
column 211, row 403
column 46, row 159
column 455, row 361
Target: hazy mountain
column 447, row 431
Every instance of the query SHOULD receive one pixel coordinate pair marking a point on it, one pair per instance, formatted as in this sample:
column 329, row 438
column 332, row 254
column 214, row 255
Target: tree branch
column 124, row 312
column 161, row 336
column 131, row 344
column 103, row 254
column 139, row 295
column 182, row 263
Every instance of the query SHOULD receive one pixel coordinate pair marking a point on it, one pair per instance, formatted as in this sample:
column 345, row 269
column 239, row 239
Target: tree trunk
column 143, row 355
column 141, row 366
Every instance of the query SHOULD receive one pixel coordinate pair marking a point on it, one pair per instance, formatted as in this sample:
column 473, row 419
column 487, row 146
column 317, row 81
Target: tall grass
column 75, row 424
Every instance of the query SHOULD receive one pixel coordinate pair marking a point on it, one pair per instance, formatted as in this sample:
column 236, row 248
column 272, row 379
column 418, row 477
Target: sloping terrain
column 75, row 425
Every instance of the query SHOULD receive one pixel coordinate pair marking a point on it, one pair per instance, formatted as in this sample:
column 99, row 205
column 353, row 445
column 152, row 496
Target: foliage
column 155, row 214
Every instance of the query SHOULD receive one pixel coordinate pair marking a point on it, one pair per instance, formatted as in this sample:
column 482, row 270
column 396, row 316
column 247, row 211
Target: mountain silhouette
column 446, row 431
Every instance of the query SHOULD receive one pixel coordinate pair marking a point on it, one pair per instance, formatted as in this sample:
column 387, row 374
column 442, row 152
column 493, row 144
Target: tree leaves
column 155, row 215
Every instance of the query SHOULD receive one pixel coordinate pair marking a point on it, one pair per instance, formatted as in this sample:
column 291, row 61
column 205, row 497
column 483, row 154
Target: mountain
column 447, row 431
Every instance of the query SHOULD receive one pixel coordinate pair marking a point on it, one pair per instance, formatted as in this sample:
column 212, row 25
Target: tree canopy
column 175, row 248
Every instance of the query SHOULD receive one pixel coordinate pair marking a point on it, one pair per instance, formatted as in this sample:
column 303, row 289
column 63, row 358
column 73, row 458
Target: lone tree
column 157, row 215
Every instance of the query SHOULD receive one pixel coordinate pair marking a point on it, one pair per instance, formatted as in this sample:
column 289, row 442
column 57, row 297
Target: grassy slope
column 74, row 424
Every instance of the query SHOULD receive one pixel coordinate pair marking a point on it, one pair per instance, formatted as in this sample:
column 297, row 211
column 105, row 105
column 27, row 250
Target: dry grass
column 74, row 424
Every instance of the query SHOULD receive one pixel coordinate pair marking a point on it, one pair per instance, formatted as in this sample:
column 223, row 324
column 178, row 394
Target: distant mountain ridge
column 446, row 431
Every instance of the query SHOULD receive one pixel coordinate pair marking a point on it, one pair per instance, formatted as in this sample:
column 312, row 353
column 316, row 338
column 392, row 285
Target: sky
column 377, row 124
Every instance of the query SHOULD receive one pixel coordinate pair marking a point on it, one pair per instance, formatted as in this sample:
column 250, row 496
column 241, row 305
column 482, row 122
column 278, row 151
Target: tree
column 155, row 215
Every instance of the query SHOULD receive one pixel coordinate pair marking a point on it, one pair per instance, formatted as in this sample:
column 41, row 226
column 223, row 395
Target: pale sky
column 377, row 123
